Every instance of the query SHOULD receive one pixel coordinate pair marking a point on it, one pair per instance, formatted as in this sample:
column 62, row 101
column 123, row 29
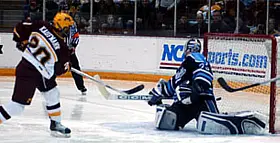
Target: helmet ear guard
column 193, row 45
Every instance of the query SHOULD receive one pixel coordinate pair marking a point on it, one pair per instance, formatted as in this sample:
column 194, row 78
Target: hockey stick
column 128, row 97
column 137, row 97
column 102, row 85
column 107, row 95
column 225, row 86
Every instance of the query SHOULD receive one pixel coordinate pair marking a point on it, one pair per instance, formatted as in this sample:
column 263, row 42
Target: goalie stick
column 225, row 86
column 102, row 85
column 136, row 97
column 107, row 95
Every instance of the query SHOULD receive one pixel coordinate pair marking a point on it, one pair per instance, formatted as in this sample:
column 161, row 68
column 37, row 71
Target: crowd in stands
column 117, row 16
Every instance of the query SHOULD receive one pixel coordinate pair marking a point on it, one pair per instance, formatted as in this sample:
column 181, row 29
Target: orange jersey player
column 45, row 55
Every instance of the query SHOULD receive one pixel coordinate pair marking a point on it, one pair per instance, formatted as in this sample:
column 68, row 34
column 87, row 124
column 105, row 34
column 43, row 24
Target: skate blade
column 60, row 135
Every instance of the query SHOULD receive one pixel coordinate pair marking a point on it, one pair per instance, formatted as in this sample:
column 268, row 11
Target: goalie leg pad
column 238, row 123
column 165, row 119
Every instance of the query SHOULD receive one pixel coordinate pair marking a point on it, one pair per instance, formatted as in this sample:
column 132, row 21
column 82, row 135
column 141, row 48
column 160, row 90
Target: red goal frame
column 273, row 88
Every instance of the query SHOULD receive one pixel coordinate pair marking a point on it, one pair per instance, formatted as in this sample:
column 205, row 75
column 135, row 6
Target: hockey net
column 243, row 60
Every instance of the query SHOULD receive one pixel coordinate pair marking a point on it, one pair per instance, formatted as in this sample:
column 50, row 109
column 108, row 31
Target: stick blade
column 135, row 89
column 107, row 95
column 224, row 85
column 103, row 91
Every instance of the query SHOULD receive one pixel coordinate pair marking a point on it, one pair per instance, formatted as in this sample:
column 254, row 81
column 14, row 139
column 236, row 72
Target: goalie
column 192, row 90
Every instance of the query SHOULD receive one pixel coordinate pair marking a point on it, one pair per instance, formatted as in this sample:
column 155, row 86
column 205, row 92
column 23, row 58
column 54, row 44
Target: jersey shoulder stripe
column 197, row 57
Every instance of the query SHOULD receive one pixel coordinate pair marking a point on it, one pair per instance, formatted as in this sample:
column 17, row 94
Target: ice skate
column 84, row 91
column 58, row 130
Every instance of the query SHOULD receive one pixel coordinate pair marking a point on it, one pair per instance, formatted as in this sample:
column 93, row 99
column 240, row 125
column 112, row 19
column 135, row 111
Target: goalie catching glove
column 159, row 92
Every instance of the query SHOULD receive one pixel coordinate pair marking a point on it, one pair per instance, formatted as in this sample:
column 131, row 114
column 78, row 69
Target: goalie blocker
column 245, row 122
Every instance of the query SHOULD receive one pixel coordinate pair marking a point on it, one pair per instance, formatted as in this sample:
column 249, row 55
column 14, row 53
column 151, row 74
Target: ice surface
column 94, row 119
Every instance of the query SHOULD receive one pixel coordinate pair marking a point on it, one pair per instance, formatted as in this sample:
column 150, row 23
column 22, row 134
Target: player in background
column 192, row 90
column 195, row 90
column 45, row 55
column 73, row 41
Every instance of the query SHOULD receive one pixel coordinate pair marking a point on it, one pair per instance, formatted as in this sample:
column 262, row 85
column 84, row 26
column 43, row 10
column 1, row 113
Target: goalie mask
column 193, row 45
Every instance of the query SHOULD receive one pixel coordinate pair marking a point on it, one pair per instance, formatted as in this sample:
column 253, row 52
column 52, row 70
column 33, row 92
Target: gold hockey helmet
column 62, row 21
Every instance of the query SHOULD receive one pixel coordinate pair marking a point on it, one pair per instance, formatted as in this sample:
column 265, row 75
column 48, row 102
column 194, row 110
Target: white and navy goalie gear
column 202, row 84
column 183, row 93
column 163, row 89
column 188, row 94
column 245, row 122
column 165, row 119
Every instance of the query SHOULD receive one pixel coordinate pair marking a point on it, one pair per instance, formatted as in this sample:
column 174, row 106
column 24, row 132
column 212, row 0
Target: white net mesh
column 243, row 60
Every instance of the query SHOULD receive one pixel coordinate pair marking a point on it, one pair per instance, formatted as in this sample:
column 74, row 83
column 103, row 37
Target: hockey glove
column 157, row 93
column 22, row 45
column 155, row 100
column 201, row 91
column 67, row 66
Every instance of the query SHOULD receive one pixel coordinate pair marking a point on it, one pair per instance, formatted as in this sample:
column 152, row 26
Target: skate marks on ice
column 94, row 119
column 21, row 130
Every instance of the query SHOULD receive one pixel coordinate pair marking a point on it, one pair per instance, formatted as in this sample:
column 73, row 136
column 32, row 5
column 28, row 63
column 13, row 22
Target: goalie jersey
column 195, row 67
column 44, row 48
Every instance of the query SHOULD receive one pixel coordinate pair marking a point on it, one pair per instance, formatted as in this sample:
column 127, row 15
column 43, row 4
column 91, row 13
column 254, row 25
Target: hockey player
column 73, row 41
column 192, row 90
column 45, row 55
column 193, row 82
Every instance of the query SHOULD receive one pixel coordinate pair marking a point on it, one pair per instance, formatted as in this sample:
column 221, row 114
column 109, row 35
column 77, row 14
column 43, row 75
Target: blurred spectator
column 165, row 10
column 107, row 7
column 182, row 8
column 85, row 12
column 247, row 3
column 82, row 23
column 272, row 28
column 51, row 9
column 74, row 7
column 242, row 27
column 229, row 20
column 199, row 27
column 26, row 12
column 217, row 25
column 33, row 8
column 111, row 26
column 153, row 14
column 260, row 12
column 221, row 4
column 146, row 15
column 85, row 7
column 183, row 25
column 259, row 29
column 165, row 5
column 126, row 12
column 205, row 9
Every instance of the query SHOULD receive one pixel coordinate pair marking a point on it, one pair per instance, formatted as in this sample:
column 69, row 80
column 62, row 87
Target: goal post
column 244, row 59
